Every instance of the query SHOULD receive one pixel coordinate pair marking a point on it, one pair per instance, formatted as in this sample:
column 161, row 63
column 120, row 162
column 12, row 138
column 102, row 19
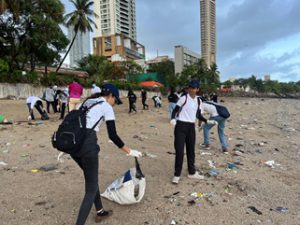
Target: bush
column 4, row 67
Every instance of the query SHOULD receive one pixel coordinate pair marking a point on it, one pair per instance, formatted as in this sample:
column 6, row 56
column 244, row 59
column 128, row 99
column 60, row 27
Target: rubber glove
column 173, row 122
column 135, row 153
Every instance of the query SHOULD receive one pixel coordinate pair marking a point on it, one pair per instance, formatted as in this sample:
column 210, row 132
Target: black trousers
column 39, row 107
column 62, row 110
column 184, row 134
column 145, row 106
column 53, row 107
column 131, row 107
column 89, row 163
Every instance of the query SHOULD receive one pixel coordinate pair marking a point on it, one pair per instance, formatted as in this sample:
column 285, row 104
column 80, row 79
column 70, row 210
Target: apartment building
column 115, row 17
column 208, row 31
column 80, row 48
column 184, row 57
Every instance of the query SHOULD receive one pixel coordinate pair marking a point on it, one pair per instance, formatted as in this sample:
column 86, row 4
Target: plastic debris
column 280, row 209
column 149, row 155
column 195, row 194
column 47, row 168
column 270, row 163
column 34, row 170
column 231, row 166
column 26, row 145
column 255, row 210
column 205, row 153
column 173, row 222
column 211, row 164
column 8, row 144
column 214, row 173
column 3, row 163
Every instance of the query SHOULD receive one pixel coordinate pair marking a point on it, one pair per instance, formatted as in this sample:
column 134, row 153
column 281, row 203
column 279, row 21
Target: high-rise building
column 184, row 57
column 115, row 17
column 81, row 46
column 208, row 31
column 116, row 33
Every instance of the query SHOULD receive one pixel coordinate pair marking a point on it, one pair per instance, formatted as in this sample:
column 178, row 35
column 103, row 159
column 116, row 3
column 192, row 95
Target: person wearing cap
column 95, row 89
column 87, row 157
column 75, row 92
column 184, row 116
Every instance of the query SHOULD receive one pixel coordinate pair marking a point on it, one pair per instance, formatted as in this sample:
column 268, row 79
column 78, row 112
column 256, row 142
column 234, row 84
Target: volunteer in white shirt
column 187, row 111
column 87, row 156
column 35, row 102
column 212, row 111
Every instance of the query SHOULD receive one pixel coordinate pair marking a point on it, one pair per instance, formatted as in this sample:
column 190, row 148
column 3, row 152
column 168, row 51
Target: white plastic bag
column 127, row 189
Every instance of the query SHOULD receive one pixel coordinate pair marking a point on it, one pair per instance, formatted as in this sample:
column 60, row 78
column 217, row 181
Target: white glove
column 212, row 122
column 173, row 122
column 29, row 118
column 135, row 153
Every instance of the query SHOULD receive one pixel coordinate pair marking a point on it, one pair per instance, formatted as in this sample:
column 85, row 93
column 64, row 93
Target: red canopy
column 151, row 84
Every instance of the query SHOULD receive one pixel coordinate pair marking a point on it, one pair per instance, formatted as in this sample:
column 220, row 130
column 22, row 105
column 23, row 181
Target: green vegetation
column 79, row 20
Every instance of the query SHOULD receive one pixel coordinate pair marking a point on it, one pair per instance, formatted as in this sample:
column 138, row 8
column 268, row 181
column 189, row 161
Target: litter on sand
column 280, row 209
column 255, row 210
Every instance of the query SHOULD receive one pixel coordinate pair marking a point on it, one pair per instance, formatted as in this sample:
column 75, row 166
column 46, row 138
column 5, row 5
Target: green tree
column 98, row 67
column 165, row 71
column 30, row 28
column 80, row 20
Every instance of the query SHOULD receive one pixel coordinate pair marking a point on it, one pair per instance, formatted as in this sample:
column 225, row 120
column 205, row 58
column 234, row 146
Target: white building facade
column 184, row 57
column 80, row 48
column 115, row 17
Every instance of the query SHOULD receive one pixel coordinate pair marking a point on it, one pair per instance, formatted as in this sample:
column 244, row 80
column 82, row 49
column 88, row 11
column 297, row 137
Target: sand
column 261, row 129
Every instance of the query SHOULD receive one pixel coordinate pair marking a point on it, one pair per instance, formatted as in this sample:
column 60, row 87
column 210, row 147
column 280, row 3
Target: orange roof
column 151, row 84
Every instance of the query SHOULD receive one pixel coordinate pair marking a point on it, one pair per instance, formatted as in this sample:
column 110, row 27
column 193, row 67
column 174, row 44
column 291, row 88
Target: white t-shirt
column 102, row 109
column 209, row 108
column 189, row 110
column 96, row 89
column 32, row 100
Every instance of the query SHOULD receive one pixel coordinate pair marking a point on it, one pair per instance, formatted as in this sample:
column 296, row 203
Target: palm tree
column 80, row 19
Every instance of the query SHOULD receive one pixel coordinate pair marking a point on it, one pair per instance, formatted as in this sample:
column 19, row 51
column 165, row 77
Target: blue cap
column 194, row 84
column 113, row 90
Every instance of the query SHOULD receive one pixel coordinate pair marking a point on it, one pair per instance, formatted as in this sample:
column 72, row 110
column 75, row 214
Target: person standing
column 213, row 115
column 172, row 98
column 49, row 97
column 132, row 100
column 87, row 157
column 187, row 110
column 144, row 98
column 63, row 97
column 75, row 92
column 36, row 102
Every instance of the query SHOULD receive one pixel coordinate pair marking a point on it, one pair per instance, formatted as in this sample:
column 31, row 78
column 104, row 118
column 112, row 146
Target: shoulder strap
column 179, row 110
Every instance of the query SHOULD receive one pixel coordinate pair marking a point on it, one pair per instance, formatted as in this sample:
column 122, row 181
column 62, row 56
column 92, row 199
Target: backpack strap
column 88, row 108
column 179, row 110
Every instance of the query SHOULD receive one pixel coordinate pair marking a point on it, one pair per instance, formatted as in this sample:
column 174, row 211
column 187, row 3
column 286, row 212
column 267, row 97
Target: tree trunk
column 67, row 51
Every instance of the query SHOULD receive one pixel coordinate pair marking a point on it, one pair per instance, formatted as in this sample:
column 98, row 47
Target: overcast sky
column 253, row 36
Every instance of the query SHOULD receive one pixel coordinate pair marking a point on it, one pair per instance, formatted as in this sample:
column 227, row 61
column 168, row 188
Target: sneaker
column 207, row 146
column 225, row 150
column 196, row 176
column 102, row 215
column 175, row 180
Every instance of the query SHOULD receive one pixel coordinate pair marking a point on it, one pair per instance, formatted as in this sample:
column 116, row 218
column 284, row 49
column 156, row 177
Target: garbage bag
column 127, row 189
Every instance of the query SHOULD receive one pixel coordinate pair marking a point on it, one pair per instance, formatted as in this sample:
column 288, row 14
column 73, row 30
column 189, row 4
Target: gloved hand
column 29, row 118
column 212, row 122
column 173, row 122
column 135, row 153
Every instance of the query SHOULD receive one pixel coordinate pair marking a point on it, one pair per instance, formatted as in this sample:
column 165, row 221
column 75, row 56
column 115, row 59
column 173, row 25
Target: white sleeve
column 181, row 100
column 109, row 113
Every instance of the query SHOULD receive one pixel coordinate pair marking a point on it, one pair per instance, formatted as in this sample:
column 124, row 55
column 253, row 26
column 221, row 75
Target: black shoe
column 103, row 215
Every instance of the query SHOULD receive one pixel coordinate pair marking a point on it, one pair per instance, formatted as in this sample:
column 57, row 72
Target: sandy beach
column 260, row 130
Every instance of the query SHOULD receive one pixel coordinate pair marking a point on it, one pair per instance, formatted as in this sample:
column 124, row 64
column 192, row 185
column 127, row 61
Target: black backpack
column 72, row 131
column 222, row 110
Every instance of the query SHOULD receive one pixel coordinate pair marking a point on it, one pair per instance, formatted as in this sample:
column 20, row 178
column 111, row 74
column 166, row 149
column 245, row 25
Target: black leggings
column 184, row 135
column 131, row 107
column 89, row 163
column 62, row 110
column 145, row 106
